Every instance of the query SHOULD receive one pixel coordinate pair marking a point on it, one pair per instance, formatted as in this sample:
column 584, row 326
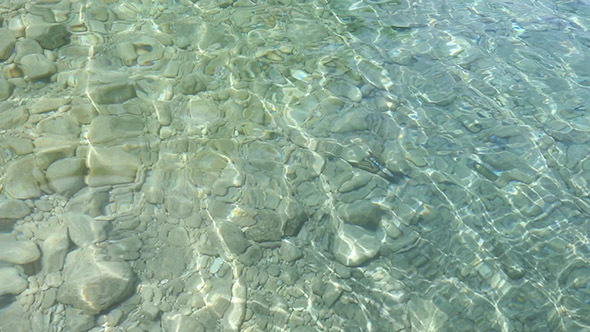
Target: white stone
column 12, row 282
column 93, row 284
column 89, row 201
column 216, row 265
column 19, row 252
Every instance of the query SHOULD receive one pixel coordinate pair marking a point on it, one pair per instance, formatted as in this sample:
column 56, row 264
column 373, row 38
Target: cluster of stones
column 94, row 140
column 235, row 169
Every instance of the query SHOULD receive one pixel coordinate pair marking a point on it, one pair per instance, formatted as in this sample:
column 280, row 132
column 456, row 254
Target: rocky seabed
column 224, row 165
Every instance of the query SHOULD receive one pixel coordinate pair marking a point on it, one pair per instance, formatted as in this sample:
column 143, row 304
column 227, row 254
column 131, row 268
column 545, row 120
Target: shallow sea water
column 297, row 166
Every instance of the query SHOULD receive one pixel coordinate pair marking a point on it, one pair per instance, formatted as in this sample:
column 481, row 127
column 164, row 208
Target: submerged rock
column 37, row 66
column 20, row 184
column 233, row 237
column 175, row 322
column 49, row 36
column 354, row 245
column 54, row 250
column 12, row 115
column 7, row 42
column 85, row 230
column 6, row 89
column 93, row 284
column 66, row 176
column 115, row 93
column 111, row 166
column 11, row 211
column 19, row 252
column 12, row 281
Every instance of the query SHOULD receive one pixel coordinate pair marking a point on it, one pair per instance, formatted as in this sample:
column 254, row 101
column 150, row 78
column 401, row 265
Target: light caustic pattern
column 280, row 165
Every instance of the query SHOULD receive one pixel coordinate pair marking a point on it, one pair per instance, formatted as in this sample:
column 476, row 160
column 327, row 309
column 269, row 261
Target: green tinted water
column 294, row 166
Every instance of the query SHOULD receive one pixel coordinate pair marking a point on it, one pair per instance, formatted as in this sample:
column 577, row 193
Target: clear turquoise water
column 304, row 166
